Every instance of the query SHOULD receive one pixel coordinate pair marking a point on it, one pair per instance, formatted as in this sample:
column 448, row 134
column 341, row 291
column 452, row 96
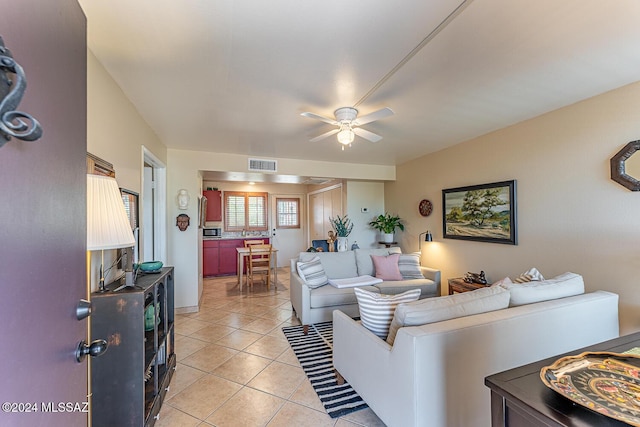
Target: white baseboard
column 186, row 310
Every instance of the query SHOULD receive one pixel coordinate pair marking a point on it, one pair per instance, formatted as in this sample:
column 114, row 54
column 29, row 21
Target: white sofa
column 433, row 375
column 313, row 305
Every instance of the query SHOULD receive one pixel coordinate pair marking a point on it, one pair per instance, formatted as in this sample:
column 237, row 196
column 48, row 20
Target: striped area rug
column 315, row 354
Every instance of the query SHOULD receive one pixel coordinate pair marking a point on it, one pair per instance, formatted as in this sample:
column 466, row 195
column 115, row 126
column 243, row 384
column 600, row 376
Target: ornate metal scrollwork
column 13, row 122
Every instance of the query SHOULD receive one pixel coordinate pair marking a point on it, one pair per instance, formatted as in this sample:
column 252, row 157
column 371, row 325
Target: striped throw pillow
column 409, row 266
column 312, row 273
column 376, row 310
column 533, row 275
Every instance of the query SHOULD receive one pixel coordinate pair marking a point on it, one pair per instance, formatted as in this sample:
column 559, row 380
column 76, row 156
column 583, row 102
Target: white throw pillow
column 564, row 285
column 532, row 275
column 376, row 310
column 312, row 273
column 409, row 266
column 432, row 310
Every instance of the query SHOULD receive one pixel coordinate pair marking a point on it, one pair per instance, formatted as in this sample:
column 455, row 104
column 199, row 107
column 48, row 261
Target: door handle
column 95, row 349
column 83, row 309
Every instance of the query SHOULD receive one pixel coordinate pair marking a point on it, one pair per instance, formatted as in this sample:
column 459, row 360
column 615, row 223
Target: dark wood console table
column 458, row 285
column 520, row 399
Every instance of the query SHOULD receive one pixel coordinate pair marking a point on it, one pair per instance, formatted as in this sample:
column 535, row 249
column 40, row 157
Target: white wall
column 370, row 195
column 571, row 215
column 116, row 133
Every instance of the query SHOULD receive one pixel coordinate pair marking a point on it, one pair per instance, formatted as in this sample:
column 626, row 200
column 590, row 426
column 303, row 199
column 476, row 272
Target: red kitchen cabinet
column 229, row 256
column 220, row 258
column 214, row 205
column 210, row 257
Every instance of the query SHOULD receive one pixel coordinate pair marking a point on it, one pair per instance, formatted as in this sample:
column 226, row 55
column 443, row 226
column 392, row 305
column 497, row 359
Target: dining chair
column 259, row 263
column 248, row 243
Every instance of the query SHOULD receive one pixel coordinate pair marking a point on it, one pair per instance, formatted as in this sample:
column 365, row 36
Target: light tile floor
column 236, row 368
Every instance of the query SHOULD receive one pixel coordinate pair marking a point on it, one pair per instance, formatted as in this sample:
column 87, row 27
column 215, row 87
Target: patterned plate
column 607, row 383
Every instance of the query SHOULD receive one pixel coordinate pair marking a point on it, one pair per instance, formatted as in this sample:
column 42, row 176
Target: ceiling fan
column 349, row 124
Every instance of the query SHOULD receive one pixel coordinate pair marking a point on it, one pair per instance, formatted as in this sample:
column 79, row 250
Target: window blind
column 288, row 213
column 245, row 211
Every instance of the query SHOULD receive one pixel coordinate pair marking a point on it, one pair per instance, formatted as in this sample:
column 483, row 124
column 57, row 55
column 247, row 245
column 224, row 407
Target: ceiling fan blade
column 318, row 117
column 324, row 135
column 376, row 115
column 367, row 135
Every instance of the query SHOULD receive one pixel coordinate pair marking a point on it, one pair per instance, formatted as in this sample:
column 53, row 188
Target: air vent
column 262, row 165
column 316, row 181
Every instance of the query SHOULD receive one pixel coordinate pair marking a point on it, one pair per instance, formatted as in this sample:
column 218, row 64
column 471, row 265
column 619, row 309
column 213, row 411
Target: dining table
column 244, row 253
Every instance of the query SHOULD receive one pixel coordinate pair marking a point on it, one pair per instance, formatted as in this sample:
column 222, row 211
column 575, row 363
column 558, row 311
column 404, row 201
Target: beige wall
column 116, row 133
column 571, row 215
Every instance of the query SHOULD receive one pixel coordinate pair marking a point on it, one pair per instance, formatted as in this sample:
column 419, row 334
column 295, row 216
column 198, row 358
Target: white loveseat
column 433, row 375
column 313, row 305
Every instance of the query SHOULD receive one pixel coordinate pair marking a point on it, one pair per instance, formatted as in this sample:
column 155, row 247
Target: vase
column 343, row 244
column 387, row 237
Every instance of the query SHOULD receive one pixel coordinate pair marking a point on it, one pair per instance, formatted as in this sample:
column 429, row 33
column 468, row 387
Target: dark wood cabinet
column 129, row 381
column 519, row 398
column 214, row 205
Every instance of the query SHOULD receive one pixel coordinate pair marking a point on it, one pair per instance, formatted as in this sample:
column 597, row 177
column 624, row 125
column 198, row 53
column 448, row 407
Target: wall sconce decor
column 183, row 199
column 12, row 86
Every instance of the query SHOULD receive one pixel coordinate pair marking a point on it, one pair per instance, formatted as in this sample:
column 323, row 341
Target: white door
column 289, row 241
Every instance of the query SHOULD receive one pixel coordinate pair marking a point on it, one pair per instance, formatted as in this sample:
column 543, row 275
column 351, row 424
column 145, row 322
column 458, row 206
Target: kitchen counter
column 236, row 238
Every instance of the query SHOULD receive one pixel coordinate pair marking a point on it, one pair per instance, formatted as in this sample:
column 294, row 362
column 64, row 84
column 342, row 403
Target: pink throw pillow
column 387, row 267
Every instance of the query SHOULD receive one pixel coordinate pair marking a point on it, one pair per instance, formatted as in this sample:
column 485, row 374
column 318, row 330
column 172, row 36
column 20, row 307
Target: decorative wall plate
column 606, row 383
column 425, row 207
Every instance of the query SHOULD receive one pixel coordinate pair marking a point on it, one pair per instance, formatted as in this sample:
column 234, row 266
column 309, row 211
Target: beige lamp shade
column 107, row 224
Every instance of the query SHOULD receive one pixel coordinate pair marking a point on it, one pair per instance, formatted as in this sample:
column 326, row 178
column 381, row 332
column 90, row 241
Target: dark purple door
column 43, row 215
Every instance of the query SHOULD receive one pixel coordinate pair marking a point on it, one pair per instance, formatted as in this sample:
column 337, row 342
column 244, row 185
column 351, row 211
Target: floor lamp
column 427, row 238
column 108, row 226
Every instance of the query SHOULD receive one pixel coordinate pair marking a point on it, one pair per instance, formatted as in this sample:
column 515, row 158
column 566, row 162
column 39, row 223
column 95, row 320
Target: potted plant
column 387, row 225
column 342, row 227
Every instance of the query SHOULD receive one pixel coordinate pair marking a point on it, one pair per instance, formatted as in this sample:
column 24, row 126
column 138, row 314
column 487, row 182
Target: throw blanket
column 352, row 282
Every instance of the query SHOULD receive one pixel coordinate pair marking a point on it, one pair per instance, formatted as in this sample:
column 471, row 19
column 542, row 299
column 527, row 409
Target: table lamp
column 108, row 226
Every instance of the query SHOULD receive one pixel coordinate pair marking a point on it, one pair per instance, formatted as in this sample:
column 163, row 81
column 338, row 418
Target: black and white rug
column 315, row 354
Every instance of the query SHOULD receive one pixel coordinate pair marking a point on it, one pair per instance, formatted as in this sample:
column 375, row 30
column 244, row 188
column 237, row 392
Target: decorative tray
column 607, row 383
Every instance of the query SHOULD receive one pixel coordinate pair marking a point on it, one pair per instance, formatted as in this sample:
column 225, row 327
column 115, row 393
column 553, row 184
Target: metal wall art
column 619, row 172
column 12, row 86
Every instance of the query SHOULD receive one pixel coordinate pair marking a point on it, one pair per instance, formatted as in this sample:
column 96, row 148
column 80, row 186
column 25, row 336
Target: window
column 288, row 213
column 245, row 211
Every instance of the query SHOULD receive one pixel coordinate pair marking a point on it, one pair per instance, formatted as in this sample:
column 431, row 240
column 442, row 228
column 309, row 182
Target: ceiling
column 233, row 76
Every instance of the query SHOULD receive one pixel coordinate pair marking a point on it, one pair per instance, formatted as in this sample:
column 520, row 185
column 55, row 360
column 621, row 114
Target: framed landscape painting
column 484, row 213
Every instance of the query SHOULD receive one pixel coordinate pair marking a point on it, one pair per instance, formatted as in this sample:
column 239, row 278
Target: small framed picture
column 484, row 213
column 130, row 200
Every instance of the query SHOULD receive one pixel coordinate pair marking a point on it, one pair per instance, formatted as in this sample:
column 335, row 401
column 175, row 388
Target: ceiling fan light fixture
column 345, row 136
